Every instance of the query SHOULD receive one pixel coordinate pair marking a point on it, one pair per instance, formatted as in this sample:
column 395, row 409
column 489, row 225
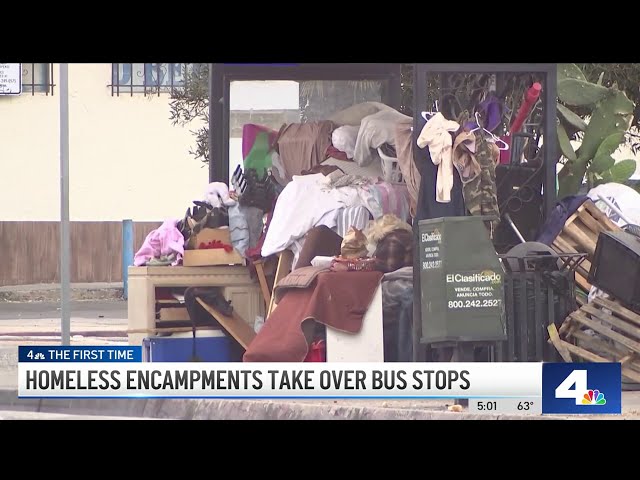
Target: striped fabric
column 348, row 217
column 393, row 198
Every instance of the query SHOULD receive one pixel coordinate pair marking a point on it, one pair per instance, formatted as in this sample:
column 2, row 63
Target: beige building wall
column 127, row 160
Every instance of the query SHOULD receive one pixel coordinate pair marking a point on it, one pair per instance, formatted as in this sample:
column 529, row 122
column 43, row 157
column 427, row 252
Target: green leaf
column 580, row 93
column 572, row 118
column 565, row 144
column 601, row 78
column 601, row 164
column 608, row 118
column 610, row 144
column 570, row 70
column 620, row 172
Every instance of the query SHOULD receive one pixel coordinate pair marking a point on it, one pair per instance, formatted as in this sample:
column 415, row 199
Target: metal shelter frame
column 221, row 75
column 549, row 157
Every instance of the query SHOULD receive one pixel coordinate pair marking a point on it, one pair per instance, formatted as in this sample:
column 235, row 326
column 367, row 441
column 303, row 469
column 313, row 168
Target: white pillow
column 344, row 139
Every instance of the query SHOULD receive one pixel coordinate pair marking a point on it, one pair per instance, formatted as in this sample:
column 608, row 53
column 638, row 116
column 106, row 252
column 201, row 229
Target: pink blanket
column 162, row 242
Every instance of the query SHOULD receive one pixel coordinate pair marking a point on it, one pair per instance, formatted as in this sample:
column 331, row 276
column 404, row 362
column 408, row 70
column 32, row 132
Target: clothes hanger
column 502, row 145
column 424, row 114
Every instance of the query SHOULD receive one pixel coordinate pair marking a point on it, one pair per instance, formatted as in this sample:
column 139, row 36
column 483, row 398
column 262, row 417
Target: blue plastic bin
column 211, row 346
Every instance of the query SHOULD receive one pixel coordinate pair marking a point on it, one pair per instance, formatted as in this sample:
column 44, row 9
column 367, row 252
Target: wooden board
column 607, row 332
column 580, row 235
column 618, row 310
column 611, row 320
column 171, row 314
column 234, row 325
column 616, row 339
column 161, row 329
column 285, row 262
column 558, row 344
column 262, row 278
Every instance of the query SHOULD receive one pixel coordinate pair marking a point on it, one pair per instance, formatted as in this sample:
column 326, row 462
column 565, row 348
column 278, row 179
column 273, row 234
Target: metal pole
column 550, row 139
column 65, row 241
column 212, row 124
column 127, row 255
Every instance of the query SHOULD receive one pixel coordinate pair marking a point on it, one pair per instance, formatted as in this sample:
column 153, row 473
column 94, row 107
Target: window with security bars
column 148, row 78
column 37, row 78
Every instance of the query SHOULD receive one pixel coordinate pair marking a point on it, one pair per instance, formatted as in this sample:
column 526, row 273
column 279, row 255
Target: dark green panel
column 462, row 279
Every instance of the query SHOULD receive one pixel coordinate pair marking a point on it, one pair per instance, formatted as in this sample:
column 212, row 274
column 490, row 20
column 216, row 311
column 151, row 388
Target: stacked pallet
column 601, row 331
column 580, row 235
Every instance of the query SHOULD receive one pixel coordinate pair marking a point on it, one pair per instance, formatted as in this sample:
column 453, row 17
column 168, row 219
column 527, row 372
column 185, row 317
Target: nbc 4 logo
column 581, row 394
column 570, row 388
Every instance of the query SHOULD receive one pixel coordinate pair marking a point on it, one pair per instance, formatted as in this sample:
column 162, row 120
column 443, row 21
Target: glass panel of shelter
column 272, row 103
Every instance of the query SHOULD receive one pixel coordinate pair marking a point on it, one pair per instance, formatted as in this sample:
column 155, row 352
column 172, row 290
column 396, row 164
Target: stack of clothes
column 338, row 294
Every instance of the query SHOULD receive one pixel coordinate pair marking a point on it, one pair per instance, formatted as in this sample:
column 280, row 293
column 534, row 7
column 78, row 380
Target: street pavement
column 39, row 324
column 21, row 322
column 111, row 310
column 19, row 415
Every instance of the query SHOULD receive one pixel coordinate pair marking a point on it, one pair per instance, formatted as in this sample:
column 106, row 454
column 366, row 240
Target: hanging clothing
column 427, row 206
column 410, row 173
column 436, row 134
column 480, row 194
column 464, row 157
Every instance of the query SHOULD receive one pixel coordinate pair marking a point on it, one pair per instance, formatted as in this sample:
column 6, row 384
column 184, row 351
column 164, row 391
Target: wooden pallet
column 617, row 339
column 580, row 235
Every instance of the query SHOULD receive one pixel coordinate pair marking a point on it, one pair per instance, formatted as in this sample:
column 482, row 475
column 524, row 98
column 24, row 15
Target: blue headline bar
column 80, row 354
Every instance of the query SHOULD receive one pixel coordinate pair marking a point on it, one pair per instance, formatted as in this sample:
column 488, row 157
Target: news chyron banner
column 503, row 388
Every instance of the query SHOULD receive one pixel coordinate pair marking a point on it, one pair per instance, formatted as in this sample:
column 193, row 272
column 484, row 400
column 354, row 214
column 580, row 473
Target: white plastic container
column 390, row 168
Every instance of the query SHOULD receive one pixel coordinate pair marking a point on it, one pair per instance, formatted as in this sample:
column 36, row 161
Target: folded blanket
column 338, row 300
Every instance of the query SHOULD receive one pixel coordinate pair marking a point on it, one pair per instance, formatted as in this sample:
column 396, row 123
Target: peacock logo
column 594, row 397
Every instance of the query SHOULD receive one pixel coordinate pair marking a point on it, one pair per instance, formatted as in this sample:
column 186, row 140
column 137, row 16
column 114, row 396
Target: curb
column 209, row 409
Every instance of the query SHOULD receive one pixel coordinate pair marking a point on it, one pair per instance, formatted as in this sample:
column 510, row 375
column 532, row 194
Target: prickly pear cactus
column 611, row 112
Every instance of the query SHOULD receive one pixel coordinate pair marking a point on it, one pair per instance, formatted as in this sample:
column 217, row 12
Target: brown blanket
column 303, row 145
column 338, row 300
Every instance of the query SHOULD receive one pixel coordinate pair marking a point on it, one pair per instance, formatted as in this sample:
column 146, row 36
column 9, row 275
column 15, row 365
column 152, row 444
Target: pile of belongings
column 254, row 190
column 210, row 213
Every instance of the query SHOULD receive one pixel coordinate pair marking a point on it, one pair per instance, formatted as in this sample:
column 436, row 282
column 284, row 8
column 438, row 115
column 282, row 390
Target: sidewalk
column 51, row 292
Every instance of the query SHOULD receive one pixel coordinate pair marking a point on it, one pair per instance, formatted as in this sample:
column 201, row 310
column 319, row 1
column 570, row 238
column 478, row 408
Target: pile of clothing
column 457, row 169
column 351, row 135
column 165, row 245
column 317, row 293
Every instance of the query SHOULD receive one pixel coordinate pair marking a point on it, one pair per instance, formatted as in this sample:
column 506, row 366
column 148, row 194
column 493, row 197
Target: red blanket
column 338, row 300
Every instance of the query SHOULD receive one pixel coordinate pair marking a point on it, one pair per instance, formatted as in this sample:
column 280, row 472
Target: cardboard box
column 193, row 257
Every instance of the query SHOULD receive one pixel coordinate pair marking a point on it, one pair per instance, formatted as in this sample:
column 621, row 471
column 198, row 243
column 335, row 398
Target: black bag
column 259, row 192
